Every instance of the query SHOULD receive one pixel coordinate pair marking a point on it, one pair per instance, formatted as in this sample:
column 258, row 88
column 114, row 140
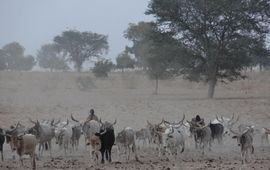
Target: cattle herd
column 170, row 138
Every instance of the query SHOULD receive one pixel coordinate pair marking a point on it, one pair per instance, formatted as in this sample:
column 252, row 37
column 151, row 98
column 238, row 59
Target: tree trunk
column 79, row 68
column 211, row 87
column 156, row 89
column 260, row 67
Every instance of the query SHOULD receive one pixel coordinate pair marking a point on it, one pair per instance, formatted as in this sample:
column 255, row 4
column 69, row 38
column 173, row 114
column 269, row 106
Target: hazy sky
column 33, row 23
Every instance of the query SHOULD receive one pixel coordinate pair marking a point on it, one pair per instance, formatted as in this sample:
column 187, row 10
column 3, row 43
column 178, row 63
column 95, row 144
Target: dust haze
column 128, row 97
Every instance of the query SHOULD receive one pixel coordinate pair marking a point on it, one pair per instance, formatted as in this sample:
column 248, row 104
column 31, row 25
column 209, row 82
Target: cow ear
column 234, row 137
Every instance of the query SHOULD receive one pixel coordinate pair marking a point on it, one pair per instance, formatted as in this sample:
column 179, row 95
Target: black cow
column 217, row 131
column 107, row 138
column 2, row 141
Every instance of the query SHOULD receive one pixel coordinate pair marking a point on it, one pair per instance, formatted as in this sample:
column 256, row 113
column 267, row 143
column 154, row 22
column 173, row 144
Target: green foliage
column 124, row 60
column 50, row 56
column 81, row 46
column 137, row 33
column 220, row 36
column 157, row 52
column 102, row 68
column 12, row 58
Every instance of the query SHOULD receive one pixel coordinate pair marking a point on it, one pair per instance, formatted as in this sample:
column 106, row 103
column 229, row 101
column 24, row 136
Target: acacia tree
column 81, row 46
column 13, row 51
column 15, row 59
column 157, row 52
column 124, row 60
column 220, row 35
column 50, row 56
column 137, row 33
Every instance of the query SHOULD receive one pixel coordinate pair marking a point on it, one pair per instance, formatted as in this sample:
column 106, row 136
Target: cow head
column 228, row 123
column 166, row 136
column 95, row 142
column 107, row 125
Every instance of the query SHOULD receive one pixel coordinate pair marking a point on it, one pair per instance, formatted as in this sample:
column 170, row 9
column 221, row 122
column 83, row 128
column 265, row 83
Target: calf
column 126, row 139
column 245, row 141
column 90, row 127
column 25, row 145
column 95, row 143
column 2, row 141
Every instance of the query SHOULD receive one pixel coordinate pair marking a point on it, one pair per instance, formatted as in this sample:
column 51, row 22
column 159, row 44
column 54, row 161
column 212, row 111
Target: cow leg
column 32, row 156
column 242, row 156
column 102, row 156
column 2, row 156
column 110, row 154
column 21, row 160
column 50, row 147
column 128, row 152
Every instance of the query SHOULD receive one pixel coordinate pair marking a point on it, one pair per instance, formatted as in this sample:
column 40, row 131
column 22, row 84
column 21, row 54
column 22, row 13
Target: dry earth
column 128, row 97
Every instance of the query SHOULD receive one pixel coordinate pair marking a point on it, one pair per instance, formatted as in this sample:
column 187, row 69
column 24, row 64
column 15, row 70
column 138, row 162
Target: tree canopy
column 13, row 58
column 157, row 52
column 124, row 60
column 82, row 46
column 49, row 56
column 102, row 68
column 221, row 36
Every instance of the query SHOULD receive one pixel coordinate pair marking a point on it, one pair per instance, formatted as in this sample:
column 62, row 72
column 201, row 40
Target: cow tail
column 252, row 149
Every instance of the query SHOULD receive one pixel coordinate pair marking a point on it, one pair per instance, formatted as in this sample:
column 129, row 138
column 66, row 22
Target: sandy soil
column 129, row 98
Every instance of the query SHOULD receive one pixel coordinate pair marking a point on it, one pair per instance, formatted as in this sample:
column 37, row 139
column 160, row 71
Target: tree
column 124, row 60
column 14, row 57
column 261, row 55
column 26, row 63
column 102, row 68
column 157, row 51
column 81, row 46
column 137, row 33
column 14, row 51
column 219, row 35
column 50, row 56
column 3, row 58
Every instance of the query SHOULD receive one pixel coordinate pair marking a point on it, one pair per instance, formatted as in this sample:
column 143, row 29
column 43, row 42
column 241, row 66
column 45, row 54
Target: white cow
column 173, row 140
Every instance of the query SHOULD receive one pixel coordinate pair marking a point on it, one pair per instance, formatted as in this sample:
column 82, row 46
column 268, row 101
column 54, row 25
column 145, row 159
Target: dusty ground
column 128, row 98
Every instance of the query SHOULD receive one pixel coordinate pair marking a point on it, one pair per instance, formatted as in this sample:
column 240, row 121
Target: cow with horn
column 245, row 141
column 228, row 123
column 44, row 133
